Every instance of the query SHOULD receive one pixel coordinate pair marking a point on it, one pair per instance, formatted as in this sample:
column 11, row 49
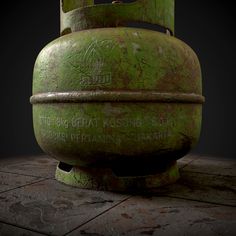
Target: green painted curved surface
column 117, row 59
column 120, row 59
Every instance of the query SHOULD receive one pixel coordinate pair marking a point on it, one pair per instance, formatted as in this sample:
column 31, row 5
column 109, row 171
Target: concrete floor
column 201, row 203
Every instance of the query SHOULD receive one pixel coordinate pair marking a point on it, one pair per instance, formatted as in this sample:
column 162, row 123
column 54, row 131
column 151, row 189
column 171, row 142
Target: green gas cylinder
column 115, row 103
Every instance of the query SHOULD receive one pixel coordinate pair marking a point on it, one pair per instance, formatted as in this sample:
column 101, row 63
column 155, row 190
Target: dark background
column 207, row 26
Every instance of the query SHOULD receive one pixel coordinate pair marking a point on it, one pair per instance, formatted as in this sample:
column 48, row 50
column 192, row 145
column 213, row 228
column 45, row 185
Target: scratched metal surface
column 118, row 91
column 201, row 202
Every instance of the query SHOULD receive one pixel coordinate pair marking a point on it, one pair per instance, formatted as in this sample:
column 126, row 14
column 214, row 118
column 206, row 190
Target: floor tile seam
column 186, row 164
column 97, row 216
column 212, row 158
column 15, row 173
column 205, row 173
column 201, row 201
column 22, row 186
column 23, row 227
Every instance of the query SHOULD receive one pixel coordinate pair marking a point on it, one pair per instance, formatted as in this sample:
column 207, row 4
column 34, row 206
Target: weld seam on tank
column 115, row 96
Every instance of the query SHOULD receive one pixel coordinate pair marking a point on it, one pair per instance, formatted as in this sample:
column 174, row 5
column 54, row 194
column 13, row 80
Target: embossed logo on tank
column 94, row 65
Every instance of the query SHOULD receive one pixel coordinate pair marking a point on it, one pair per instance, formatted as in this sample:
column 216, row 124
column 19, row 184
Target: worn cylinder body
column 117, row 105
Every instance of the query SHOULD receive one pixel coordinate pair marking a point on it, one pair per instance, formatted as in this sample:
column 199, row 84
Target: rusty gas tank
column 115, row 101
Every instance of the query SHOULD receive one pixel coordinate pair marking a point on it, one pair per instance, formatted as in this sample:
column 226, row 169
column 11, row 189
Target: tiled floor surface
column 201, row 203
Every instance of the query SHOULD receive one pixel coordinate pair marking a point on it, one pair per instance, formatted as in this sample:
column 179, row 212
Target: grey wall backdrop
column 207, row 26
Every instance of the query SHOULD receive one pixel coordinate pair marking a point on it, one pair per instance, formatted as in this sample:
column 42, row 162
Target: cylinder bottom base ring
column 106, row 180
